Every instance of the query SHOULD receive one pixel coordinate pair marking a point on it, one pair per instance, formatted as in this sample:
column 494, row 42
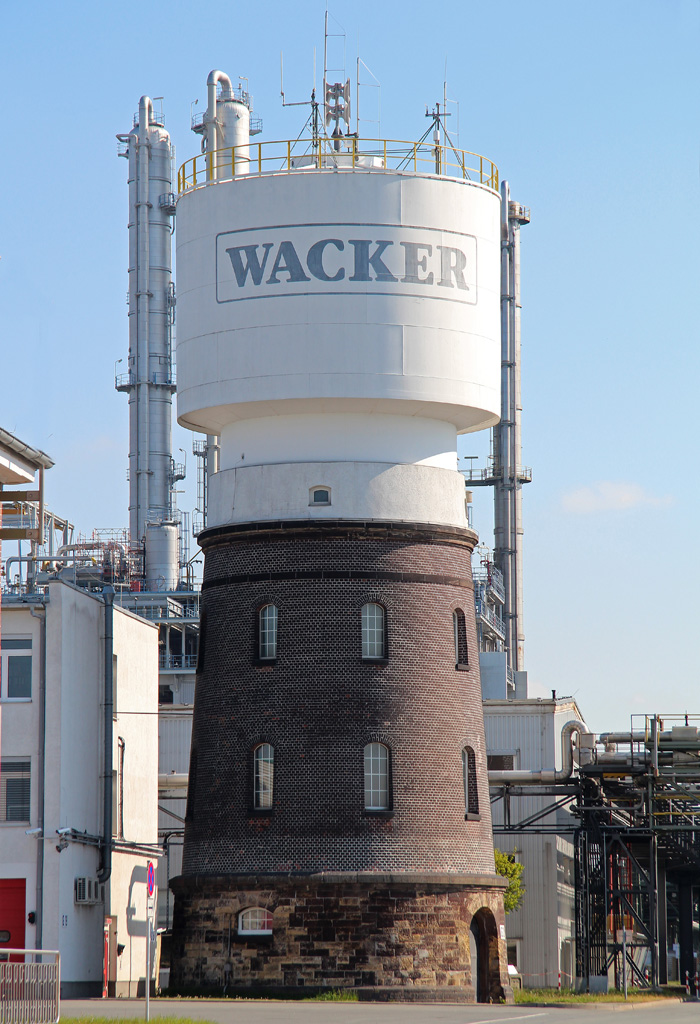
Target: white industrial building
column 63, row 748
column 533, row 737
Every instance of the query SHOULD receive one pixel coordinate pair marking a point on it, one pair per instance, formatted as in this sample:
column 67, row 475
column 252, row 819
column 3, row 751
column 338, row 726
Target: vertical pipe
column 227, row 124
column 501, row 449
column 507, row 453
column 105, row 869
column 41, row 781
column 516, row 494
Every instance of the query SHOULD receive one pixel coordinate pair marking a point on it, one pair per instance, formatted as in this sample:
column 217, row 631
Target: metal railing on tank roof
column 257, row 158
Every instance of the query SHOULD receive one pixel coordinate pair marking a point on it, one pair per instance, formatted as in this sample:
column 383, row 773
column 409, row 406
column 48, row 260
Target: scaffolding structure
column 634, row 808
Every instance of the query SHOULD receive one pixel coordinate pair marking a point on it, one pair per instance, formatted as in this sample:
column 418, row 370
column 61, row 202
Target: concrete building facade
column 526, row 735
column 73, row 896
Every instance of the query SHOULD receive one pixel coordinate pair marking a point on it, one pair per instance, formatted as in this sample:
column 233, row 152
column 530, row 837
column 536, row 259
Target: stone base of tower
column 387, row 937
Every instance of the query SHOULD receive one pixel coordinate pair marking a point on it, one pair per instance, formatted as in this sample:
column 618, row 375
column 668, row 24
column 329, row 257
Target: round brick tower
column 338, row 326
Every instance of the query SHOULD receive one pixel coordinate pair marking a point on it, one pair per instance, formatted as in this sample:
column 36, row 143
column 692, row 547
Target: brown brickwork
column 388, row 939
column 318, row 704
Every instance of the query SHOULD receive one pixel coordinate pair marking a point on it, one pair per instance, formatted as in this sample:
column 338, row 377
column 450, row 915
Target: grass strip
column 127, row 1020
column 553, row 995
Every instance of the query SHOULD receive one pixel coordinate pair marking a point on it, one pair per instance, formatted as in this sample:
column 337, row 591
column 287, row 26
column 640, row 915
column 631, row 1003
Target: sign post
column 150, row 889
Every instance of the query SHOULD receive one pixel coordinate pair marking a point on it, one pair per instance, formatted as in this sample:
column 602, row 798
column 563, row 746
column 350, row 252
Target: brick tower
column 338, row 327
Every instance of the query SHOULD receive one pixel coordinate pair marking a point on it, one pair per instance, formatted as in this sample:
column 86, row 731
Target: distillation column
column 509, row 475
column 149, row 380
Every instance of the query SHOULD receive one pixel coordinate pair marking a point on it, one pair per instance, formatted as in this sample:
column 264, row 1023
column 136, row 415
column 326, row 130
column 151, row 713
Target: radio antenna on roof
column 336, row 94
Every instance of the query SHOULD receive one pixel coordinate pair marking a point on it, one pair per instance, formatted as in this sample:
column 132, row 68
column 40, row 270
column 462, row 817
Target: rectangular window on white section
column 15, row 781
column 16, row 669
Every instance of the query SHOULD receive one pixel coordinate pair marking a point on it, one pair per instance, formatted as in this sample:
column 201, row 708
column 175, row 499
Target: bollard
column 687, row 983
column 559, row 984
column 697, row 991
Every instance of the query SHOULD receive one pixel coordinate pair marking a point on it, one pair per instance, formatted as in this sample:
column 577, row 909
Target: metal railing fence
column 257, row 158
column 484, row 612
column 29, row 989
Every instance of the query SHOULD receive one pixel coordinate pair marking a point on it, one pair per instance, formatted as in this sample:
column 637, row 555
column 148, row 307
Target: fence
column 301, row 155
column 30, row 986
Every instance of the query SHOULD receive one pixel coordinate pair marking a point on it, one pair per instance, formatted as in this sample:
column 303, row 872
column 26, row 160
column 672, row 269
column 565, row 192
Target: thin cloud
column 611, row 496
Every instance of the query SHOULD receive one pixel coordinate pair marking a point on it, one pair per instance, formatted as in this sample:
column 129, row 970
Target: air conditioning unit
column 88, row 891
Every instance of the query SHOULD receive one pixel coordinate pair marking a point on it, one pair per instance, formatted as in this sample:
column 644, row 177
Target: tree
column 508, row 866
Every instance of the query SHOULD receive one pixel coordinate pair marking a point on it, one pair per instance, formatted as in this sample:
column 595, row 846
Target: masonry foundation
column 387, row 937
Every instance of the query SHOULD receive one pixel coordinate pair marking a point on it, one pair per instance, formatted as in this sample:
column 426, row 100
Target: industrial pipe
column 226, row 94
column 501, row 778
column 667, row 736
column 41, row 787
column 44, row 558
column 105, row 869
column 87, row 545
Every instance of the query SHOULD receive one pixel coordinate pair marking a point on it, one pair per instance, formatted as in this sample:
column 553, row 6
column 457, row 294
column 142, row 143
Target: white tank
column 344, row 321
column 161, row 556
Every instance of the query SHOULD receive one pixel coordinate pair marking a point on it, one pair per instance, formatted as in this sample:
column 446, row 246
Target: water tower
column 339, row 326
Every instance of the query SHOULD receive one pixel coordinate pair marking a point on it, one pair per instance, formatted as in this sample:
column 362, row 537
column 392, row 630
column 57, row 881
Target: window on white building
column 320, row 496
column 377, row 795
column 16, row 669
column 15, row 781
column 255, row 921
column 373, row 631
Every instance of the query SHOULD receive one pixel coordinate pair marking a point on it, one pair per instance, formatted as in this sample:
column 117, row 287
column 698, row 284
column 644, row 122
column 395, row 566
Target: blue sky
column 590, row 111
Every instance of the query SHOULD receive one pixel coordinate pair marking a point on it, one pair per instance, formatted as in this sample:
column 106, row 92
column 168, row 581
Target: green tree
column 508, row 866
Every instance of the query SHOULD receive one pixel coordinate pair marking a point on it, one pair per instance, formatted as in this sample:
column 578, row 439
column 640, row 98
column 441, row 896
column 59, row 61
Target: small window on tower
column 264, row 757
column 373, row 632
column 320, row 496
column 471, row 792
column 377, row 777
column 255, row 921
column 459, row 626
column 267, row 632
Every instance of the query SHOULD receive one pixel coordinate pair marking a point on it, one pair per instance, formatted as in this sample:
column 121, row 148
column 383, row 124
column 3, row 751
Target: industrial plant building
column 334, row 716
column 78, row 721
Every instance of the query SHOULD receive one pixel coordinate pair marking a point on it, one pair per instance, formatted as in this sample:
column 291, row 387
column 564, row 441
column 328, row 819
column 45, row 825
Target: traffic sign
column 151, row 881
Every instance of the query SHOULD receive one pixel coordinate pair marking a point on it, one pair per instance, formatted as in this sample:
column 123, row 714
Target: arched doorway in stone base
column 484, row 954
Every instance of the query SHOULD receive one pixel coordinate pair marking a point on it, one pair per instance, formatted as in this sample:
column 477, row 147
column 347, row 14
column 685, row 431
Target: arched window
column 377, row 788
column 320, row 496
column 373, row 631
column 471, row 793
column 255, row 921
column 264, row 762
column 459, row 625
column 267, row 632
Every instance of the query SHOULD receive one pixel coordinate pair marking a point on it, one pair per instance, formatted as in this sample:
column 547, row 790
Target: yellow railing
column 355, row 154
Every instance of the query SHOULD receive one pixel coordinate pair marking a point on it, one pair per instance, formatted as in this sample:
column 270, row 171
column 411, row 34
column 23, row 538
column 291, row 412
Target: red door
column 12, row 914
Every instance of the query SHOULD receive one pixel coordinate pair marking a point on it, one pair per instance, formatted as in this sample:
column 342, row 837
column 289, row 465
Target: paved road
column 277, row 1012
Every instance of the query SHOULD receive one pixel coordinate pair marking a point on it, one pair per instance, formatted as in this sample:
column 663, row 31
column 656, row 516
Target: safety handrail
column 256, row 158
